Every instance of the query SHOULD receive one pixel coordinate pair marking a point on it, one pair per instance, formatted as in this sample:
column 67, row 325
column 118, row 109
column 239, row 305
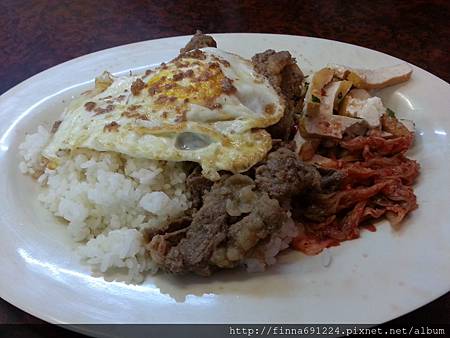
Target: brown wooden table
column 36, row 35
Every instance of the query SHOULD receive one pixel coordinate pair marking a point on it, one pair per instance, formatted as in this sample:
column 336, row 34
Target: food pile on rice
column 214, row 162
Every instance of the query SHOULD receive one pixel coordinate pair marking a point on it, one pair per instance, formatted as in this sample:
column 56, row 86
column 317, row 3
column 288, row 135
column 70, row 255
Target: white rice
column 108, row 201
column 265, row 255
column 30, row 150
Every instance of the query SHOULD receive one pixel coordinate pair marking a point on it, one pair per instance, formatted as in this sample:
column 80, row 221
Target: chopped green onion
column 390, row 112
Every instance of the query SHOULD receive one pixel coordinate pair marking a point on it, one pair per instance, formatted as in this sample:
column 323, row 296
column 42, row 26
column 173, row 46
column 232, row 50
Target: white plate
column 371, row 280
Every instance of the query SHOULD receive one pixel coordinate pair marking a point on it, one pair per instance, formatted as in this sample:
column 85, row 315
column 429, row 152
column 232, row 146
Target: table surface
column 36, row 35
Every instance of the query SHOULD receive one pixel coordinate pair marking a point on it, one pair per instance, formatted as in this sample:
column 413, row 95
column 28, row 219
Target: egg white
column 224, row 123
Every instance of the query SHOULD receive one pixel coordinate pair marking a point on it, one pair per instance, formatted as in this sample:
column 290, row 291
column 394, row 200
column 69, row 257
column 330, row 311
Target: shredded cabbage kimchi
column 377, row 182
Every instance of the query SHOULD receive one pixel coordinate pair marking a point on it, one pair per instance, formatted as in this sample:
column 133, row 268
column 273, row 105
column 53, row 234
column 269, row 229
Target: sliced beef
column 239, row 215
column 286, row 77
column 330, row 180
column 206, row 232
column 264, row 220
column 199, row 40
column 284, row 175
column 234, row 218
column 283, row 128
column 271, row 65
column 197, row 185
column 175, row 226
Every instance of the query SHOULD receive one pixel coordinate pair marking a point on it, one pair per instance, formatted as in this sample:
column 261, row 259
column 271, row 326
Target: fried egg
column 207, row 106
